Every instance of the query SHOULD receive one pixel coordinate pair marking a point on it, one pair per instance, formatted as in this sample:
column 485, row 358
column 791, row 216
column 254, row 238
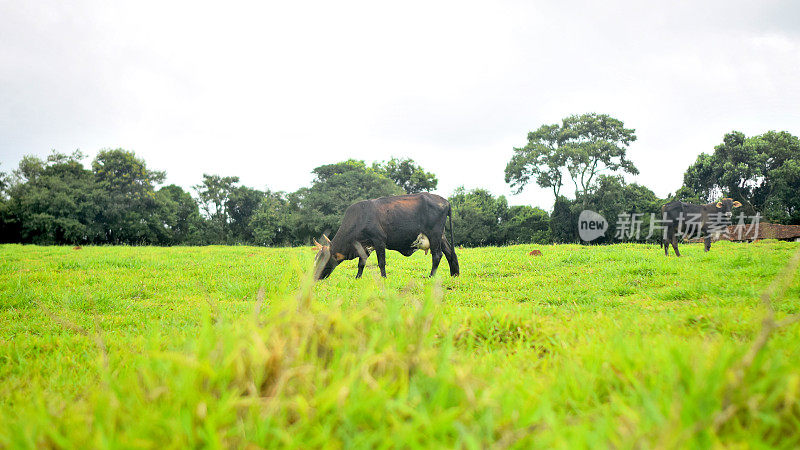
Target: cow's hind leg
column 674, row 239
column 380, row 251
column 708, row 242
column 452, row 259
column 436, row 252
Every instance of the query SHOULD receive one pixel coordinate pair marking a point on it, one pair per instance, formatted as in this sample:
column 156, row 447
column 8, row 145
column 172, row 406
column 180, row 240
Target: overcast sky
column 269, row 90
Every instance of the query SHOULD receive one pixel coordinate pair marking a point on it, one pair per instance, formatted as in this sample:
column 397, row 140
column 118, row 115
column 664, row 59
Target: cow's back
column 397, row 220
column 676, row 212
column 402, row 218
column 400, row 207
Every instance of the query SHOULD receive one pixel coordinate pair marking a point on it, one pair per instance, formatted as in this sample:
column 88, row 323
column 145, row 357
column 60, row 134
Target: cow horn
column 719, row 204
column 737, row 204
column 321, row 263
column 317, row 245
column 325, row 238
column 360, row 250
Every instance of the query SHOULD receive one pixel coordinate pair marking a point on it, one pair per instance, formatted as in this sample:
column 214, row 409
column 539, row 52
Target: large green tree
column 130, row 211
column 759, row 171
column 477, row 217
column 270, row 223
column 55, row 201
column 564, row 221
column 524, row 224
column 213, row 194
column 179, row 215
column 320, row 207
column 480, row 218
column 411, row 177
column 579, row 149
column 241, row 205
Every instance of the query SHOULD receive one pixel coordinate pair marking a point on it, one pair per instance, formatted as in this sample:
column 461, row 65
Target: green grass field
column 129, row 347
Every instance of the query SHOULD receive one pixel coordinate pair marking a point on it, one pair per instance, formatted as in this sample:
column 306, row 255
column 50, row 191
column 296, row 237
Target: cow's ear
column 719, row 204
column 338, row 256
column 326, row 240
column 736, row 204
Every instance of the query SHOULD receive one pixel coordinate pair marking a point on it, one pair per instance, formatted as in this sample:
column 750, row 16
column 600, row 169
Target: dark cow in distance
column 404, row 223
column 690, row 218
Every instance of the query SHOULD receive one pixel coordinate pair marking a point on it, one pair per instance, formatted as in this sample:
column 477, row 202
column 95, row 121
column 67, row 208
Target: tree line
column 117, row 199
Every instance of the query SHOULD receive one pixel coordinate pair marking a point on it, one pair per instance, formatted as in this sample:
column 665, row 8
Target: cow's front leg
column 381, row 252
column 708, row 242
column 361, row 263
column 452, row 259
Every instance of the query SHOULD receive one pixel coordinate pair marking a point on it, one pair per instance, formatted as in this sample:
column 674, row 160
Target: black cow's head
column 726, row 205
column 324, row 262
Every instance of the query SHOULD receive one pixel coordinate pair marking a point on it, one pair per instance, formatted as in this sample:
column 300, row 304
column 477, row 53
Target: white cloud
column 268, row 91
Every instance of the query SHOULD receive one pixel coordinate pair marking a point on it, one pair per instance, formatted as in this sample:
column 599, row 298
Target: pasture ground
column 582, row 346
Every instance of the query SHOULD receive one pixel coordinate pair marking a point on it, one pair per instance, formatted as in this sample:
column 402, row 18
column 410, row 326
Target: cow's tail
column 450, row 218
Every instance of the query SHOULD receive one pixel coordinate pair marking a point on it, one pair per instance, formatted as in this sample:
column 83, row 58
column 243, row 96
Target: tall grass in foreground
column 392, row 368
column 295, row 374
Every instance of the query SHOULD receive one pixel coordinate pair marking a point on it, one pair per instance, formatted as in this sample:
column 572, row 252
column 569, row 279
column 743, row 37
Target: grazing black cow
column 702, row 220
column 403, row 223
